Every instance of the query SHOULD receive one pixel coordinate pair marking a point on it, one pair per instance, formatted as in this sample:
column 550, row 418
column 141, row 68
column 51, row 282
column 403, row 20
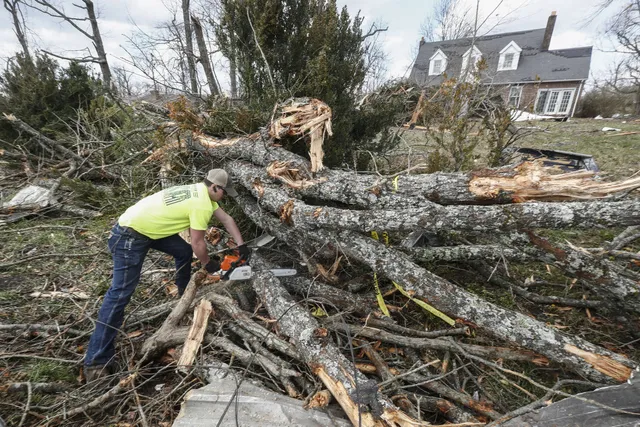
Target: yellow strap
column 395, row 183
column 381, row 303
column 421, row 303
column 426, row 306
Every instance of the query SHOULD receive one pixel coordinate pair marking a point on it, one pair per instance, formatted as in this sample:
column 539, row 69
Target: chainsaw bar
column 245, row 272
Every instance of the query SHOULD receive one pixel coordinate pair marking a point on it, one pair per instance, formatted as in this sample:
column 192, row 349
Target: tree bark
column 204, row 57
column 577, row 354
column 433, row 217
column 357, row 395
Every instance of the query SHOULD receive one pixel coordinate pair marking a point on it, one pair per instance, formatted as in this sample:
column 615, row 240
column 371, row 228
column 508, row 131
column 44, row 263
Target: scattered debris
column 250, row 405
column 524, row 116
column 608, row 129
column 565, row 160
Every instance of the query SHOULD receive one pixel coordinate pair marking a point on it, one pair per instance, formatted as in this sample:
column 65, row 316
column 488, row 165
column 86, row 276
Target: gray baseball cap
column 221, row 178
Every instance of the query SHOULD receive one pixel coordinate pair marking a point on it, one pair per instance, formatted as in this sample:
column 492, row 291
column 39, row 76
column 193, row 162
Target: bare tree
column 375, row 58
column 454, row 19
column 13, row 7
column 48, row 8
column 204, row 57
column 450, row 20
column 624, row 30
column 191, row 60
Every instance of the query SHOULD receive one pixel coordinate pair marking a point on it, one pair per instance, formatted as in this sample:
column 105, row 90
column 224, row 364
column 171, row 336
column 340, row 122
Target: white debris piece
column 598, row 117
column 523, row 116
column 251, row 406
column 606, row 129
column 32, row 195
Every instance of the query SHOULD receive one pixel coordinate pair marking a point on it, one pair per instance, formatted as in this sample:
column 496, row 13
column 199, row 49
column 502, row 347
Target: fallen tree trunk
column 357, row 395
column 527, row 182
column 575, row 353
column 434, row 217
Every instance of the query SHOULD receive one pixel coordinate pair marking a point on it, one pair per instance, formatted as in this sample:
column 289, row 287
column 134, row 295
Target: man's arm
column 199, row 246
column 229, row 224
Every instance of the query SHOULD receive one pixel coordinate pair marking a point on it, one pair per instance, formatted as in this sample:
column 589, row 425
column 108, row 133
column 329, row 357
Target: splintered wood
column 301, row 116
column 293, row 177
column 602, row 363
column 532, row 181
column 196, row 334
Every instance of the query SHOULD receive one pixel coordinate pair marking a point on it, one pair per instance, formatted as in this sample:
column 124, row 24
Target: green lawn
column 617, row 156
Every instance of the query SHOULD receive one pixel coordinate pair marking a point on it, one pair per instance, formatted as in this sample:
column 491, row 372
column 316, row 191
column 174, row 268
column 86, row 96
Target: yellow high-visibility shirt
column 171, row 211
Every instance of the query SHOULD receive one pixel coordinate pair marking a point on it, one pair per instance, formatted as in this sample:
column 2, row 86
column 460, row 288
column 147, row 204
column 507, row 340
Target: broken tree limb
column 66, row 153
column 243, row 320
column 604, row 276
column 497, row 321
column 158, row 341
column 196, row 334
column 352, row 390
column 325, row 293
column 604, row 365
column 413, row 332
column 541, row 299
column 42, row 388
column 247, row 357
column 433, row 343
column 464, row 253
column 437, row 386
column 434, row 217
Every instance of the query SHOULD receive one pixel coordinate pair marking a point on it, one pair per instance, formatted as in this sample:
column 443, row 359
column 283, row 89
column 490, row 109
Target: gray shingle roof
column 552, row 65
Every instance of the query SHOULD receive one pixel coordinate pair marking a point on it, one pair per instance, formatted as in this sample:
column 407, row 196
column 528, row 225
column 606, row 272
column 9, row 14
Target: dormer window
column 437, row 63
column 507, row 62
column 470, row 57
column 509, row 57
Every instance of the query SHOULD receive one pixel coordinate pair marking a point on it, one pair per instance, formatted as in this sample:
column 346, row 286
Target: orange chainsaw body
column 228, row 262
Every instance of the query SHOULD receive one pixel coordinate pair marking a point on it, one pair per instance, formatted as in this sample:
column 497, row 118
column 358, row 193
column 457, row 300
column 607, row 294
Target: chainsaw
column 234, row 268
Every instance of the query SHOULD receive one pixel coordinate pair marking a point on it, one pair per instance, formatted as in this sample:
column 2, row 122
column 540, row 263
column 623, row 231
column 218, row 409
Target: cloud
column 404, row 18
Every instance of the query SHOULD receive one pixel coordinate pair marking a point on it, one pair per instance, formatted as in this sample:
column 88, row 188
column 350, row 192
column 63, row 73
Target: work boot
column 97, row 372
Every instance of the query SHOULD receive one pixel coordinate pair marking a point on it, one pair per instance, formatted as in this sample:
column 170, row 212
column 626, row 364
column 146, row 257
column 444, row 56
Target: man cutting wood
column 154, row 223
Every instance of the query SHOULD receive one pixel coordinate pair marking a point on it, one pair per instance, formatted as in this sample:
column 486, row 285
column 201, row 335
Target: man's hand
column 213, row 265
column 244, row 252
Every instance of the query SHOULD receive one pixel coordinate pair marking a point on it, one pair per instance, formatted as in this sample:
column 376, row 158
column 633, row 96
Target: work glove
column 213, row 265
column 244, row 252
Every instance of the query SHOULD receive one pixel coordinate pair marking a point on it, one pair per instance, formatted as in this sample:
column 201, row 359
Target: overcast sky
column 118, row 18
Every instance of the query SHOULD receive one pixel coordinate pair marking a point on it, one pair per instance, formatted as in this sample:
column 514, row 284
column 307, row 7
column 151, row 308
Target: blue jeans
column 129, row 249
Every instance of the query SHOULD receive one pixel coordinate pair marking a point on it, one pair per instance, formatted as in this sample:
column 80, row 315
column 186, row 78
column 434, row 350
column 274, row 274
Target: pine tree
column 303, row 49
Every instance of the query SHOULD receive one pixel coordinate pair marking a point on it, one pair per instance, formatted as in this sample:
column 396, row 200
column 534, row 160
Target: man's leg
column 128, row 253
column 182, row 252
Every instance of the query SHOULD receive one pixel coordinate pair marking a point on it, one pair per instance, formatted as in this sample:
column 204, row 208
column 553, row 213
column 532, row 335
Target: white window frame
column 511, row 48
column 558, row 100
column 474, row 54
column 519, row 89
column 437, row 56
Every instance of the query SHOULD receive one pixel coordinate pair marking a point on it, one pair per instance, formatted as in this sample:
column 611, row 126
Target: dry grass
column 618, row 156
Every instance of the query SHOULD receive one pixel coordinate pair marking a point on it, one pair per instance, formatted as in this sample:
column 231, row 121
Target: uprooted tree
column 326, row 219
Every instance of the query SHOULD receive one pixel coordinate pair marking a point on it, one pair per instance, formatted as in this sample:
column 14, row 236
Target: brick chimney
column 422, row 41
column 546, row 41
